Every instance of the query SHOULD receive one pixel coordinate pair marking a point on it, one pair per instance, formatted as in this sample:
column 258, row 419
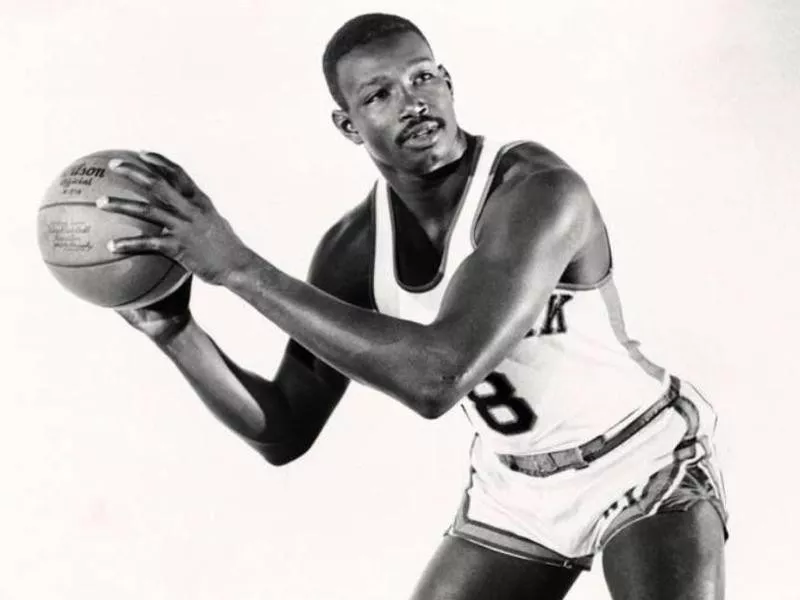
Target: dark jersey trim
column 437, row 278
column 372, row 240
column 490, row 187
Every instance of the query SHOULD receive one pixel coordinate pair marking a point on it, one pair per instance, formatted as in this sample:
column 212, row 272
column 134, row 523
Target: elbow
column 279, row 454
column 278, row 461
column 430, row 410
column 433, row 376
column 433, row 396
column 282, row 459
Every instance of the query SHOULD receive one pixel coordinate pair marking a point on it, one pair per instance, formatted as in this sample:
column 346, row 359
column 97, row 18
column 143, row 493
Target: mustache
column 406, row 133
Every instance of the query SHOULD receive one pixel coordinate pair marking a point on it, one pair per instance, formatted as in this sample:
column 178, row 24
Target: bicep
column 536, row 227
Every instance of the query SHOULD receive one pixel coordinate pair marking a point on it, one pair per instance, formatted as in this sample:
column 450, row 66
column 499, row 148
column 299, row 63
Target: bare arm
column 534, row 226
column 533, row 231
column 279, row 418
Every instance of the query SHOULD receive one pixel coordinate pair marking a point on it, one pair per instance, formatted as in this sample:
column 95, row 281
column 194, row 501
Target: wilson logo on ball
column 81, row 170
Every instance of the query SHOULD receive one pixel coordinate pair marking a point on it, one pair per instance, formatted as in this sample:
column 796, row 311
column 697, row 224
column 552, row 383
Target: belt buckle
column 575, row 460
column 546, row 464
column 581, row 463
column 563, row 460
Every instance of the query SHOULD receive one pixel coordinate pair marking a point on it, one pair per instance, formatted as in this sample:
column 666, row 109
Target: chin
column 426, row 160
column 443, row 151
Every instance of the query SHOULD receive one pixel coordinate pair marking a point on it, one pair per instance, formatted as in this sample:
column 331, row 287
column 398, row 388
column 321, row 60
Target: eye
column 377, row 95
column 424, row 76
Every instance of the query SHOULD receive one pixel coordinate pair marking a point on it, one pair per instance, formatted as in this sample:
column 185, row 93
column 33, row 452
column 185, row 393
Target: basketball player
column 477, row 273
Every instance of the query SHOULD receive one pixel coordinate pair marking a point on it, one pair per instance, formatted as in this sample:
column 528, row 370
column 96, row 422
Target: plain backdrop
column 115, row 482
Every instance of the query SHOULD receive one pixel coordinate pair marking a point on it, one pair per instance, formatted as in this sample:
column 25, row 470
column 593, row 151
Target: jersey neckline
column 442, row 269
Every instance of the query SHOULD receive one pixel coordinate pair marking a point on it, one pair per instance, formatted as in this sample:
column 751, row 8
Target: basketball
column 73, row 236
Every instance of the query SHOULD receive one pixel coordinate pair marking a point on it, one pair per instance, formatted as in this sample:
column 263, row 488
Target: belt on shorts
column 549, row 463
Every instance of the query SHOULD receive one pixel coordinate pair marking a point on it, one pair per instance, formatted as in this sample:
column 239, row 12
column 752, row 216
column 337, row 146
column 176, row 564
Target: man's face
column 400, row 104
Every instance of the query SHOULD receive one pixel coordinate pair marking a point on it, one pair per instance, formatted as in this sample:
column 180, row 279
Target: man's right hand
column 164, row 319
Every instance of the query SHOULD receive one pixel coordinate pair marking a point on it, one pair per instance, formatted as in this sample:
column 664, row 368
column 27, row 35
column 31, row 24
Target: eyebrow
column 379, row 78
column 373, row 81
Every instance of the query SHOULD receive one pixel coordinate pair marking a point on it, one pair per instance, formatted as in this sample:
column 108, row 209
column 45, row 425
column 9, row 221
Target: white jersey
column 575, row 375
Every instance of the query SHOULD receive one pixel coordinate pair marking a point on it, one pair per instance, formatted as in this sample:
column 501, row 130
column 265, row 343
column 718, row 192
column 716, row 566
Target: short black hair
column 359, row 31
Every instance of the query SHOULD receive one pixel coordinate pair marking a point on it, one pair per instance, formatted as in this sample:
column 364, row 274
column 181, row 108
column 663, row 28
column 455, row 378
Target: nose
column 414, row 106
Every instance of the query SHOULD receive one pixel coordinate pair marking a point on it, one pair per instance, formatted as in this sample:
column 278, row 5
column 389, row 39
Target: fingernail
column 101, row 201
column 111, row 246
column 114, row 163
column 150, row 156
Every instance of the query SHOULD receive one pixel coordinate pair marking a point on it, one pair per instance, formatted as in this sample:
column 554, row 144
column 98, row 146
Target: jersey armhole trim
column 485, row 193
column 373, row 233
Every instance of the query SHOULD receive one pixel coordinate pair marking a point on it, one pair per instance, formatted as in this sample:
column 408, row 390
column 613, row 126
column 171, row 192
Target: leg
column 669, row 556
column 462, row 570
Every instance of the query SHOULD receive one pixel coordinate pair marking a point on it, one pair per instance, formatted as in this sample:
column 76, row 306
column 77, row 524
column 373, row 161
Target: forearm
column 247, row 404
column 401, row 358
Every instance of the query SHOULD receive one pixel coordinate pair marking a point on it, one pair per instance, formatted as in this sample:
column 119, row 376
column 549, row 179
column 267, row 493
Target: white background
column 117, row 483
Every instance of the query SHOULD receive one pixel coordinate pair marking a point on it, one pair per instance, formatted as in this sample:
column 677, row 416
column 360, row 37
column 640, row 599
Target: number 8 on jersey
column 498, row 406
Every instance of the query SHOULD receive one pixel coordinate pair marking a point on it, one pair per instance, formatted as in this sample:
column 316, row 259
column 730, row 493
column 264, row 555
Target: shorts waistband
column 580, row 457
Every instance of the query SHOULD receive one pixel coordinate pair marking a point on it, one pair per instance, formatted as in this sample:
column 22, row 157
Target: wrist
column 252, row 275
column 242, row 269
column 173, row 332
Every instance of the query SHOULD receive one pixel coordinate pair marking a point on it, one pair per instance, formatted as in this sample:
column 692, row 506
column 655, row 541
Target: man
column 478, row 274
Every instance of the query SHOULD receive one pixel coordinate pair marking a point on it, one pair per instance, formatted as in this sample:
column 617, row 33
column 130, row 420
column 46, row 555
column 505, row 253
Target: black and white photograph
column 399, row 300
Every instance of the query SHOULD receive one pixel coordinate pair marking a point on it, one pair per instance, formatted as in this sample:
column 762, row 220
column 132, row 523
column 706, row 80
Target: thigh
column 669, row 556
column 462, row 570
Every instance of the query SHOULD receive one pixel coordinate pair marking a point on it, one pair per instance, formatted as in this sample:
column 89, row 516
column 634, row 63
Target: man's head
column 356, row 32
column 392, row 95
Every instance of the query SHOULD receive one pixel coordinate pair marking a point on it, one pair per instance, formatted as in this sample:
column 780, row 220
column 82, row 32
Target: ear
column 446, row 76
column 344, row 124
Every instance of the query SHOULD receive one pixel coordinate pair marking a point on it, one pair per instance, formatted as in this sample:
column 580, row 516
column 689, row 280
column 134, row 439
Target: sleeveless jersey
column 574, row 376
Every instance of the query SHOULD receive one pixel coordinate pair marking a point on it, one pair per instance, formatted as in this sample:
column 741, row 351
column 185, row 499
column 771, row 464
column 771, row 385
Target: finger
column 143, row 245
column 146, row 211
column 135, row 173
column 159, row 159
column 155, row 186
column 173, row 172
column 164, row 167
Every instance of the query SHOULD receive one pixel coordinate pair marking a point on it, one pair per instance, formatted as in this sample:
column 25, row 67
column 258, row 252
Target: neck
column 435, row 192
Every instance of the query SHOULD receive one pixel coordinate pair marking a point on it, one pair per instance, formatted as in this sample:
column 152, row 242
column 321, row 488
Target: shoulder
column 527, row 158
column 349, row 231
column 534, row 187
column 342, row 262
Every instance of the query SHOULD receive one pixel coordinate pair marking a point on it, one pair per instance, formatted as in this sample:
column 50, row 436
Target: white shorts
column 567, row 517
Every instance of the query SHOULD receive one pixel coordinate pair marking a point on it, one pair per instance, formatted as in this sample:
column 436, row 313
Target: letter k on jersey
column 554, row 320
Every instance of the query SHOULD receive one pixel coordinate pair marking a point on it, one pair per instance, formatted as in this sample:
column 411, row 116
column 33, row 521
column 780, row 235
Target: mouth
column 421, row 134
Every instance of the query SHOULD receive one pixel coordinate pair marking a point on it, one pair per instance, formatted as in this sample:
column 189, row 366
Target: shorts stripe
column 507, row 542
column 691, row 455
column 676, row 478
column 714, row 480
column 685, row 454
